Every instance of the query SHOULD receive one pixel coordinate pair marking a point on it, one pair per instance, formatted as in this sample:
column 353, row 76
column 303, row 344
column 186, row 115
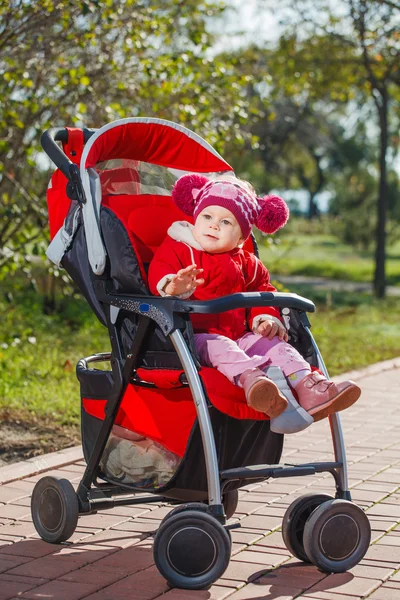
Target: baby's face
column 217, row 230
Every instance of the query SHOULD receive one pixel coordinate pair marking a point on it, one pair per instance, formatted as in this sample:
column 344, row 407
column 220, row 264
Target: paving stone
column 325, row 596
column 9, row 539
column 272, row 540
column 101, row 521
column 22, row 502
column 8, row 562
column 298, row 575
column 243, row 571
column 258, row 591
column 345, row 583
column 138, row 526
column 119, row 539
column 49, row 567
column 262, row 558
column 8, row 494
column 385, row 510
column 62, row 590
column 245, row 537
column 385, row 593
column 13, row 512
column 143, row 585
column 156, row 514
column 13, row 588
column 33, row 581
column 389, row 540
column 22, row 529
column 215, row 592
column 383, row 553
column 392, row 584
column 261, row 523
column 248, row 508
column 31, row 548
column 93, row 572
column 130, row 560
column 272, row 510
column 128, row 511
column 371, row 571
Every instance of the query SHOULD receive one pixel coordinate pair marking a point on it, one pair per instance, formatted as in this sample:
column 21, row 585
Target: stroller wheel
column 55, row 509
column 337, row 536
column 230, row 501
column 184, row 507
column 191, row 550
column 295, row 519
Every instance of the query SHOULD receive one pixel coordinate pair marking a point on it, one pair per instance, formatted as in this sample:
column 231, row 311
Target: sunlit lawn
column 323, row 256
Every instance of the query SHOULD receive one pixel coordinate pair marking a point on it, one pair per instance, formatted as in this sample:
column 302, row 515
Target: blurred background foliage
column 311, row 111
column 314, row 111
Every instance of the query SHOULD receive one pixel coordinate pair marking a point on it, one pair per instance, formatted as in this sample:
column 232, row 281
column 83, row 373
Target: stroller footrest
column 264, row 471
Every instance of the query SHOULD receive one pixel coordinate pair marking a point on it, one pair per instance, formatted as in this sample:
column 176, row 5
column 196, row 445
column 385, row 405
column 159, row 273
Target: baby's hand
column 271, row 328
column 184, row 281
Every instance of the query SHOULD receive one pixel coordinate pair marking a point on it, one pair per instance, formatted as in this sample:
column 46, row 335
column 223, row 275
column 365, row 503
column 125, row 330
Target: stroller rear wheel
column 55, row 509
column 191, row 549
column 337, row 536
column 295, row 519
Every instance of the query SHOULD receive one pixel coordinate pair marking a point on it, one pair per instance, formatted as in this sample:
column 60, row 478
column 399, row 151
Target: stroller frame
column 171, row 315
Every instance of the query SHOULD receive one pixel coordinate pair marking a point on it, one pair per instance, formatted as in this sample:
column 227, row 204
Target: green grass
column 38, row 354
column 37, row 374
column 321, row 255
column 353, row 330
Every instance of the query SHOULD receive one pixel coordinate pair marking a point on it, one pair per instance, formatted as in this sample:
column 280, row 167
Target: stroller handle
column 53, row 150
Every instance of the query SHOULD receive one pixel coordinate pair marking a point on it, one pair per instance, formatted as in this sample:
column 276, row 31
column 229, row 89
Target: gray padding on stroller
column 294, row 418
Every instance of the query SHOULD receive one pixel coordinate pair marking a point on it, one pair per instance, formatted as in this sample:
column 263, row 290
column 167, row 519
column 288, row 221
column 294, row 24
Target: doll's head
column 233, row 197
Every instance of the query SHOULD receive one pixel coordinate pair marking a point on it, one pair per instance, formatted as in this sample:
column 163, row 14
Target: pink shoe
column 320, row 397
column 262, row 394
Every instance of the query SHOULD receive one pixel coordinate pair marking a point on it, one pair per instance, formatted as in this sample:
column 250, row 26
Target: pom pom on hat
column 274, row 214
column 185, row 191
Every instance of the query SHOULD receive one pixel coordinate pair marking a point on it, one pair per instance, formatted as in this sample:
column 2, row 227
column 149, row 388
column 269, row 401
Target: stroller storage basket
column 257, row 444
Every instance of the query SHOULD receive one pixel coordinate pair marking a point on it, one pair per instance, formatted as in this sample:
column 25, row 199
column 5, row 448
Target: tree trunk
column 312, row 207
column 380, row 252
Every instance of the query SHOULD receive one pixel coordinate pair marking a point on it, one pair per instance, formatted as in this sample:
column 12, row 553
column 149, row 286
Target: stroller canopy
column 130, row 141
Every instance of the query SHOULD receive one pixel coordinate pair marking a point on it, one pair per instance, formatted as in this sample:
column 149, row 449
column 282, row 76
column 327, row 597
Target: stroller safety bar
column 161, row 310
column 250, row 299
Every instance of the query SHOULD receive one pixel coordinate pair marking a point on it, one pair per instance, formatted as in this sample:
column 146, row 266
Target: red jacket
column 224, row 274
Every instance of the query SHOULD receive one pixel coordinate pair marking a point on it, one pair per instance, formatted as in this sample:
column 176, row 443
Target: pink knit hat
column 193, row 193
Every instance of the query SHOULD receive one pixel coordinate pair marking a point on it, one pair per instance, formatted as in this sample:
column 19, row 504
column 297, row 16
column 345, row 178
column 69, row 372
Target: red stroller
column 158, row 425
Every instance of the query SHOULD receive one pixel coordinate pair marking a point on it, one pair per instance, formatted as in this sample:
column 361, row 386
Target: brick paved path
column 109, row 557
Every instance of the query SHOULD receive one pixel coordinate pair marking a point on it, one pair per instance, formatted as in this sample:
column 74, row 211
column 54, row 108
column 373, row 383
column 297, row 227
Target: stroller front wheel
column 55, row 509
column 295, row 519
column 337, row 536
column 192, row 550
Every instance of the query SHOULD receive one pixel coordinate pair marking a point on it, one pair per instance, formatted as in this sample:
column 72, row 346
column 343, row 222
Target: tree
column 353, row 43
column 88, row 62
column 292, row 131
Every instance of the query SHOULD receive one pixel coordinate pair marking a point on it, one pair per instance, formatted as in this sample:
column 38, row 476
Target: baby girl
column 205, row 261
